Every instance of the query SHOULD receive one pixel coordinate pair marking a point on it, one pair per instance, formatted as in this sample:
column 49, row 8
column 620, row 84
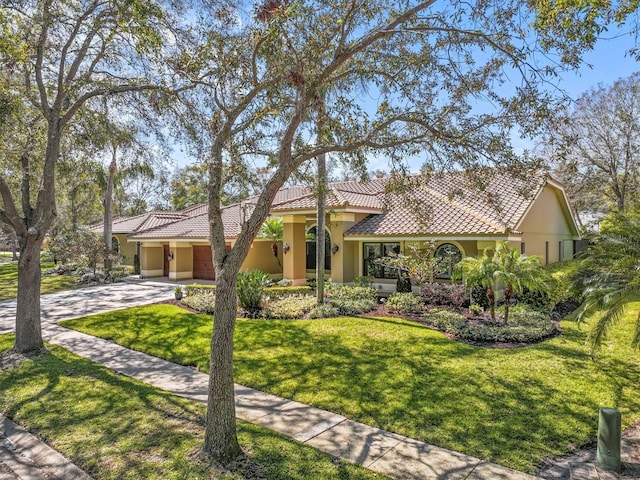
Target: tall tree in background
column 596, row 149
column 262, row 77
column 58, row 58
column 189, row 186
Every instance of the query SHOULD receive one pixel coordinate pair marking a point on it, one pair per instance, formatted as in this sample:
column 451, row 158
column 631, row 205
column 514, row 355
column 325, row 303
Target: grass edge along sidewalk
column 117, row 427
column 514, row 407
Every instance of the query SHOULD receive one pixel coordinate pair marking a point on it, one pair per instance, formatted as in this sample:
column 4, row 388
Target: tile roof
column 124, row 224
column 451, row 203
column 341, row 194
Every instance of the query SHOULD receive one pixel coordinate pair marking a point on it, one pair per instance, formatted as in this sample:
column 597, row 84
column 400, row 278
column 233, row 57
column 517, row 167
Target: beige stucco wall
column 151, row 260
column 344, row 263
column 127, row 249
column 181, row 267
column 294, row 261
column 261, row 258
column 546, row 229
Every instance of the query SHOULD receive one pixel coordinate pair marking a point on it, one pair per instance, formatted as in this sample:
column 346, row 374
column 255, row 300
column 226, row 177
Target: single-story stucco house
column 363, row 222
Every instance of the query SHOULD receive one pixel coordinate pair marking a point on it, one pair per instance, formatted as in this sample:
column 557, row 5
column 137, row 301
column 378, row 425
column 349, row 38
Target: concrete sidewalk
column 25, row 457
column 385, row 452
column 394, row 455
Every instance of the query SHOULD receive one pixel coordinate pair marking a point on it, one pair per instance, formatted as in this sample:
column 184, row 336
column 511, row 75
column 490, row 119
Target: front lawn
column 50, row 283
column 511, row 406
column 118, row 428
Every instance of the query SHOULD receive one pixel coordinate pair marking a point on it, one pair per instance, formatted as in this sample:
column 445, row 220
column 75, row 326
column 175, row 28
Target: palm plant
column 480, row 271
column 517, row 272
column 273, row 229
column 611, row 276
column 505, row 266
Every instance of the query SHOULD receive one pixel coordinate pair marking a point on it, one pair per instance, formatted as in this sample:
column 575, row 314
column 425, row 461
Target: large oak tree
column 394, row 78
column 59, row 57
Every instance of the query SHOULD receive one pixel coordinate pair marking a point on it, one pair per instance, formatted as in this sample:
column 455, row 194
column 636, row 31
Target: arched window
column 447, row 256
column 311, row 249
column 115, row 245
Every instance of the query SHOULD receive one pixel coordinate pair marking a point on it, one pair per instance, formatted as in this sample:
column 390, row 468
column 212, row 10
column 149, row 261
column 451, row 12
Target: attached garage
column 203, row 263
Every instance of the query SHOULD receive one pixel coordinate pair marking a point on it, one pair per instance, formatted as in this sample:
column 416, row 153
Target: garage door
column 203, row 263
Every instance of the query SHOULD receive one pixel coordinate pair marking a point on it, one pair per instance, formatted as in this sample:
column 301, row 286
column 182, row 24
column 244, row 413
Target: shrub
column 537, row 300
column 272, row 292
column 530, row 318
column 351, row 300
column 250, row 289
column 289, row 307
column 326, row 310
column 529, row 327
column 502, row 334
column 136, row 264
column 404, row 303
column 478, row 296
column 284, row 283
column 195, row 289
column 564, row 307
column 363, row 281
column 278, row 292
column 117, row 273
column 442, row 294
column 202, row 302
column 403, row 285
column 475, row 309
column 98, row 277
column 445, row 320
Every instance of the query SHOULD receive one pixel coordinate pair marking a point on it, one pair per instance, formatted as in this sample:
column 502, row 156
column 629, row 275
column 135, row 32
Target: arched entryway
column 311, row 249
column 447, row 255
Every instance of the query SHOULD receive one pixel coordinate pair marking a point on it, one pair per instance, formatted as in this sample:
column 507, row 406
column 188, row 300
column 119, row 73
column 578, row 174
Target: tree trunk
column 220, row 441
column 108, row 215
column 491, row 296
column 28, row 329
column 507, row 297
column 321, row 211
column 320, row 221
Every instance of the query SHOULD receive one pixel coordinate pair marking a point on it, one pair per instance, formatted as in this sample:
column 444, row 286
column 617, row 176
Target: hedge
column 271, row 292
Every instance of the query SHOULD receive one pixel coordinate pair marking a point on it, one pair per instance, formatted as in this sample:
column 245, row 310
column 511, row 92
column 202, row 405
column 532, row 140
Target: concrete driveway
column 86, row 301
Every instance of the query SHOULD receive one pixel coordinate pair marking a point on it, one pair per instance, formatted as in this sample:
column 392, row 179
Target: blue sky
column 605, row 64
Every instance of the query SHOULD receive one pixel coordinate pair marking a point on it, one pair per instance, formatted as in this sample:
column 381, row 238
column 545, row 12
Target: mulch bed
column 381, row 311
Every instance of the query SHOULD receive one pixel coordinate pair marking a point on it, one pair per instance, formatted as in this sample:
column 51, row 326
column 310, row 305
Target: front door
column 165, row 264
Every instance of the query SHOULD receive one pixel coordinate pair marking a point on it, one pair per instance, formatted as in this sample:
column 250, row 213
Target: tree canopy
column 596, row 148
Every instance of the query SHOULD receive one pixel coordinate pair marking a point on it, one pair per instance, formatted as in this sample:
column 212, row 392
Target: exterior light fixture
column 170, row 256
column 285, row 248
column 335, row 248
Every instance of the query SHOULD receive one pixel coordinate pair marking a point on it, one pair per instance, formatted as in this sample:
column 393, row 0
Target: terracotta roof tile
column 446, row 203
column 450, row 204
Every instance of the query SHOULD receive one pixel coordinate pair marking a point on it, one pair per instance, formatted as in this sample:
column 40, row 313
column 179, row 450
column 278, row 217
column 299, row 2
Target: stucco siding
column 127, row 249
column 546, row 230
column 261, row 258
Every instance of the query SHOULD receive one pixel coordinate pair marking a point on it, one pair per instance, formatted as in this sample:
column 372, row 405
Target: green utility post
column 609, row 435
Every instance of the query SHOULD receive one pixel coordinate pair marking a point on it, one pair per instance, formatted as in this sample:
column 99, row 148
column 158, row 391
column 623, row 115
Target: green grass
column 511, row 406
column 50, row 284
column 118, row 428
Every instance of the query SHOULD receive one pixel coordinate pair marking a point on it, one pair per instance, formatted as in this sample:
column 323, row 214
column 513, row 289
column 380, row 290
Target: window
column 447, row 255
column 115, row 245
column 373, row 251
column 311, row 249
column 523, row 250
